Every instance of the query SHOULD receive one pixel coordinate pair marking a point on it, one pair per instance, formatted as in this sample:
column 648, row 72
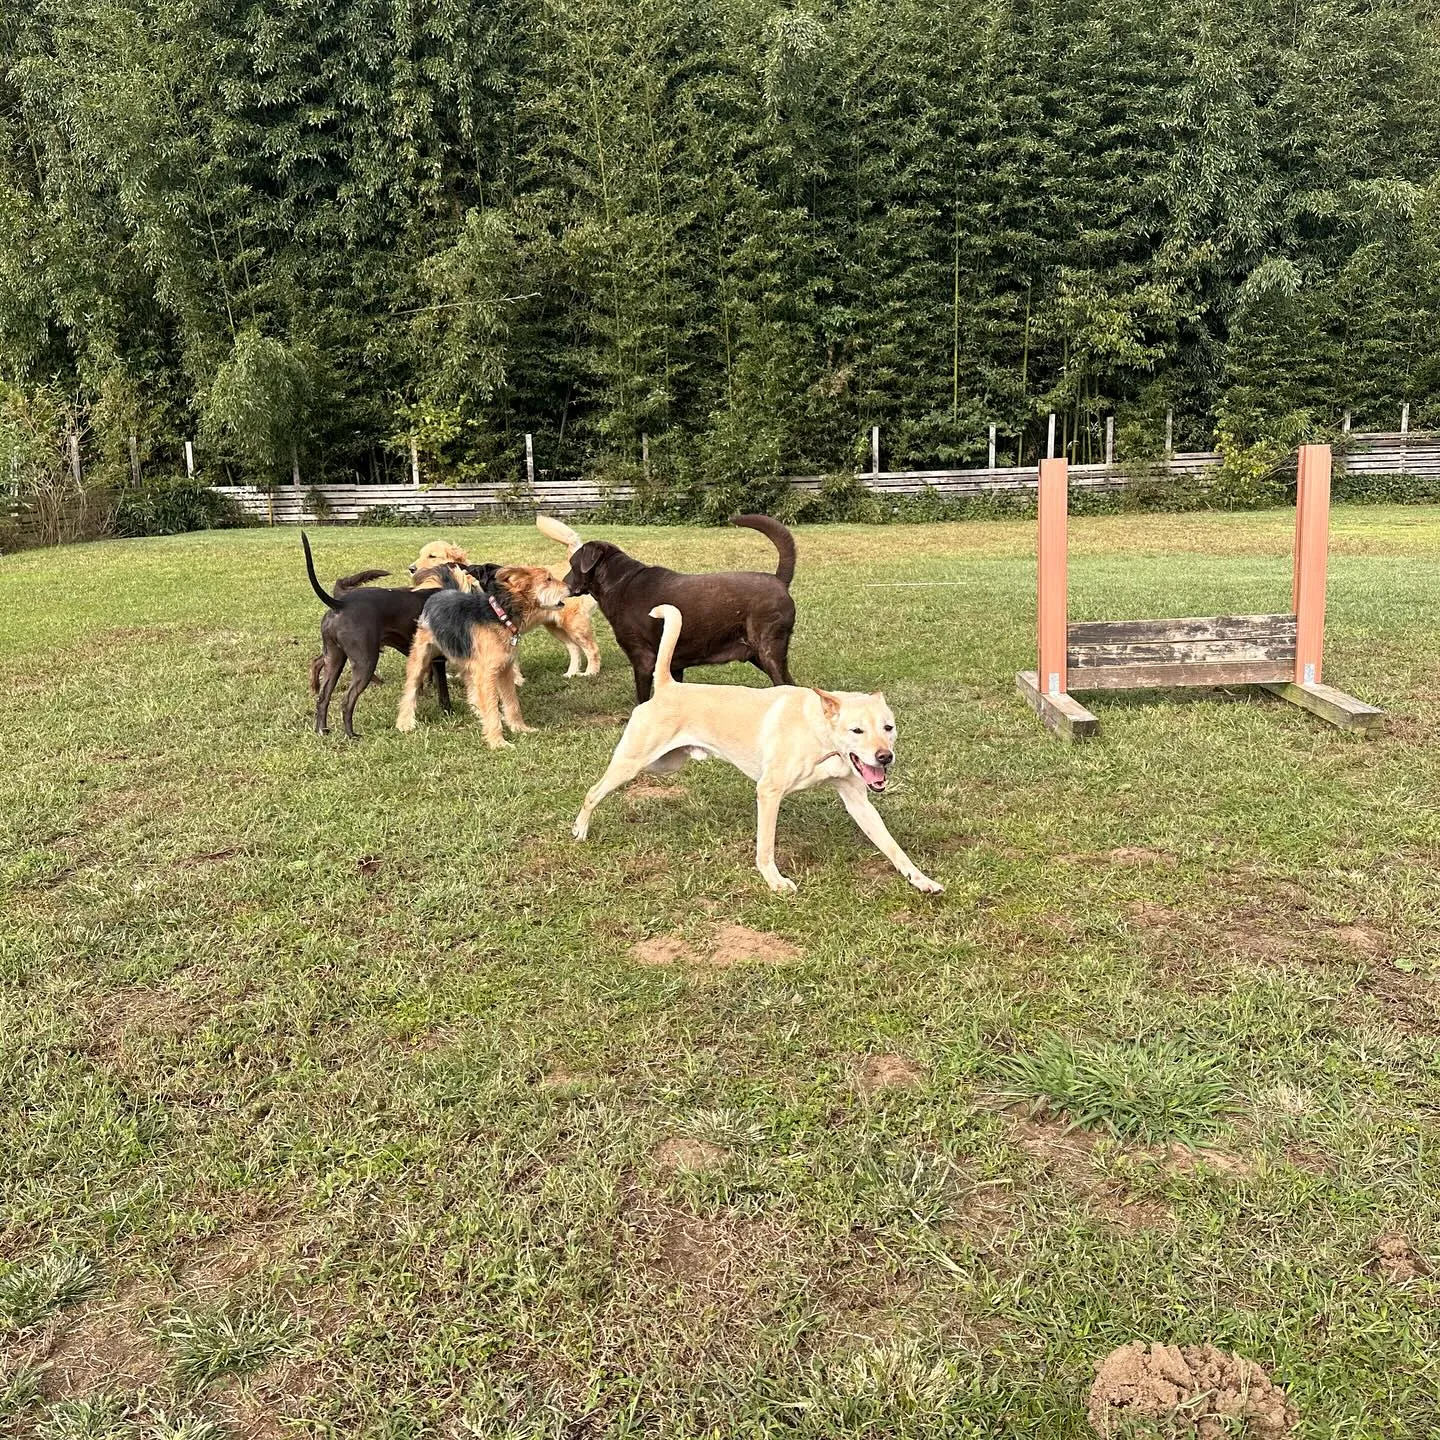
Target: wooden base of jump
column 1281, row 653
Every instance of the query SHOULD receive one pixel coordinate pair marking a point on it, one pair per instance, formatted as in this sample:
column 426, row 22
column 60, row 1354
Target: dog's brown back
column 733, row 615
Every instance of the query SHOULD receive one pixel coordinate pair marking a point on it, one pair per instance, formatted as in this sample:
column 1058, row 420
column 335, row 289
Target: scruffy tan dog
column 785, row 739
column 570, row 624
column 477, row 633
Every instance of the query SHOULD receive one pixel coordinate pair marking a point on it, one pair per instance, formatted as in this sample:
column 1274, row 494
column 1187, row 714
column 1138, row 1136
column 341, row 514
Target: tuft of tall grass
column 1148, row 1093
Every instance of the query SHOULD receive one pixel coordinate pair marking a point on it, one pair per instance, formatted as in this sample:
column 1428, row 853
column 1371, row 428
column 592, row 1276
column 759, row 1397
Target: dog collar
column 502, row 617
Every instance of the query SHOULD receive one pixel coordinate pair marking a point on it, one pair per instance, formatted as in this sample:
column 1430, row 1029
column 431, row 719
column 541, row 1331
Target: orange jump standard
column 1282, row 653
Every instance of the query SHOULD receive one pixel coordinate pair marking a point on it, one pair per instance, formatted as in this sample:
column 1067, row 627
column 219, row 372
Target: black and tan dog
column 360, row 621
column 477, row 633
column 731, row 615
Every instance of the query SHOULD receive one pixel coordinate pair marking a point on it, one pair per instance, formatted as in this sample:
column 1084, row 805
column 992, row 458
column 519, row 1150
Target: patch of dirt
column 664, row 950
column 1068, row 1155
column 1257, row 943
column 1397, row 1261
column 103, row 1347
column 685, row 1157
column 369, row 864
column 1182, row 1159
column 1361, row 938
column 1197, row 1390
column 737, row 944
column 120, row 1016
column 561, row 1079
column 1138, row 855
column 887, row 1072
column 1152, row 915
column 650, row 790
column 731, row 945
column 211, row 857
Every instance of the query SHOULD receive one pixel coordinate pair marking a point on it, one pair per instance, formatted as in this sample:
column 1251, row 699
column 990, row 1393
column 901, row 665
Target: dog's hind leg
column 867, row 817
column 772, row 657
column 480, row 690
column 334, row 662
column 442, row 683
column 423, row 650
column 632, row 755
column 362, row 671
column 768, row 795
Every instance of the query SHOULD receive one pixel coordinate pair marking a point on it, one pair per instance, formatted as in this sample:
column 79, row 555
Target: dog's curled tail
column 330, row 600
column 555, row 529
column 669, row 618
column 779, row 536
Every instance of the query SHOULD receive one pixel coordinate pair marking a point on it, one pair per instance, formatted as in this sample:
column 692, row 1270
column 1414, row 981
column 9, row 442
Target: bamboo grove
column 305, row 231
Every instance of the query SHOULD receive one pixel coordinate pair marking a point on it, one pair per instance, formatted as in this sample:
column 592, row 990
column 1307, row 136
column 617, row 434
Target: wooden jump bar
column 1282, row 653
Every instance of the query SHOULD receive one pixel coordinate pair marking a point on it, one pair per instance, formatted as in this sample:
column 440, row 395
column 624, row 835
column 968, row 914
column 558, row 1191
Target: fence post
column 1051, row 600
column 135, row 459
column 530, row 461
column 414, row 461
column 75, row 459
column 1345, row 423
column 1050, row 448
column 190, row 459
column 874, row 449
column 295, row 467
column 1109, row 439
column 1312, row 524
column 1405, row 418
column 1169, row 432
column 645, row 456
column 992, row 447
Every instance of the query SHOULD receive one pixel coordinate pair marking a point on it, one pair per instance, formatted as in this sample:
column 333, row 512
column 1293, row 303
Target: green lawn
column 341, row 1094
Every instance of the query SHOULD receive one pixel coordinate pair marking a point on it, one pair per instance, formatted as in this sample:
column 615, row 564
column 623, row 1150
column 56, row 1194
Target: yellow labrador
column 784, row 738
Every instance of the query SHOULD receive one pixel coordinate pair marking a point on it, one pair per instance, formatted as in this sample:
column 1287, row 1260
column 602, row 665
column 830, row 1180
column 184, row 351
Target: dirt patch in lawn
column 731, row 945
column 685, row 1156
column 664, row 950
column 651, row 790
column 1197, row 1390
column 104, row 1346
column 1396, row 1259
column 738, row 945
column 874, row 1073
column 1067, row 1155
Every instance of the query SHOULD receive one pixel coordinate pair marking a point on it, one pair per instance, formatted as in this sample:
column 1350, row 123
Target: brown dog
column 570, row 625
column 478, row 633
column 733, row 615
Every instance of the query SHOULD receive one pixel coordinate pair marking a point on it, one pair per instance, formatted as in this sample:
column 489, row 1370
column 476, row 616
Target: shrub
column 172, row 507
column 317, row 502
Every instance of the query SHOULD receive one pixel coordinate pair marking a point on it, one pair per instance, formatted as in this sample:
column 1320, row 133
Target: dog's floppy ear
column 586, row 558
column 831, row 704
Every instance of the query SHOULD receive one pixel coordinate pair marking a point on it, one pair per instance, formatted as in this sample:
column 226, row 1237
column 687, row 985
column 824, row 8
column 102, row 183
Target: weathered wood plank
column 1164, row 677
column 1181, row 652
column 1061, row 713
column 1194, row 627
column 1330, row 704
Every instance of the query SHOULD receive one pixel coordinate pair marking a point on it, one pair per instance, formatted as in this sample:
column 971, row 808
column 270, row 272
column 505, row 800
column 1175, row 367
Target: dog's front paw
column 581, row 829
column 781, row 886
column 522, row 729
column 925, row 883
column 499, row 743
column 405, row 724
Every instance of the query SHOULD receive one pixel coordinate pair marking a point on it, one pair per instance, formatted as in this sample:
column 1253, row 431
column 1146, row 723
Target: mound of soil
column 1397, row 1260
column 1197, row 1390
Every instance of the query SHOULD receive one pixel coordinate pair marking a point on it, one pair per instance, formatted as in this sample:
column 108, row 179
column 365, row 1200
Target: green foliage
column 744, row 230
column 1158, row 1091
column 31, row 1289
column 173, row 505
column 211, row 1343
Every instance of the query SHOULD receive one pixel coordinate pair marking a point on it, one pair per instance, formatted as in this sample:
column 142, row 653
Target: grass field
column 343, row 1094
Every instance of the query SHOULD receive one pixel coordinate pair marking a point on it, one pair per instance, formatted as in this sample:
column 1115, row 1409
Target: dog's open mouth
column 872, row 775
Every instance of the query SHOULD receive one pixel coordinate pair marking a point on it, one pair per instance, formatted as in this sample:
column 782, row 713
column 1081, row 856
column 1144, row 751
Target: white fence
column 1391, row 454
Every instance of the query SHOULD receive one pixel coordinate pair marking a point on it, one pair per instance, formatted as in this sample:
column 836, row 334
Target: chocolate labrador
column 732, row 615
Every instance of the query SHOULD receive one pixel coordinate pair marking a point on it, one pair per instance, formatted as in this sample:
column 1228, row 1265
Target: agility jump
column 1281, row 653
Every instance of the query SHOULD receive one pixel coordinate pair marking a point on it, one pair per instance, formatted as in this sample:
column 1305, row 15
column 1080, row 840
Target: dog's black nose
column 884, row 757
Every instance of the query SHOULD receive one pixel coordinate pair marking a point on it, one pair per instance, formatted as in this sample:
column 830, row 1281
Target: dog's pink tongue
column 870, row 774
